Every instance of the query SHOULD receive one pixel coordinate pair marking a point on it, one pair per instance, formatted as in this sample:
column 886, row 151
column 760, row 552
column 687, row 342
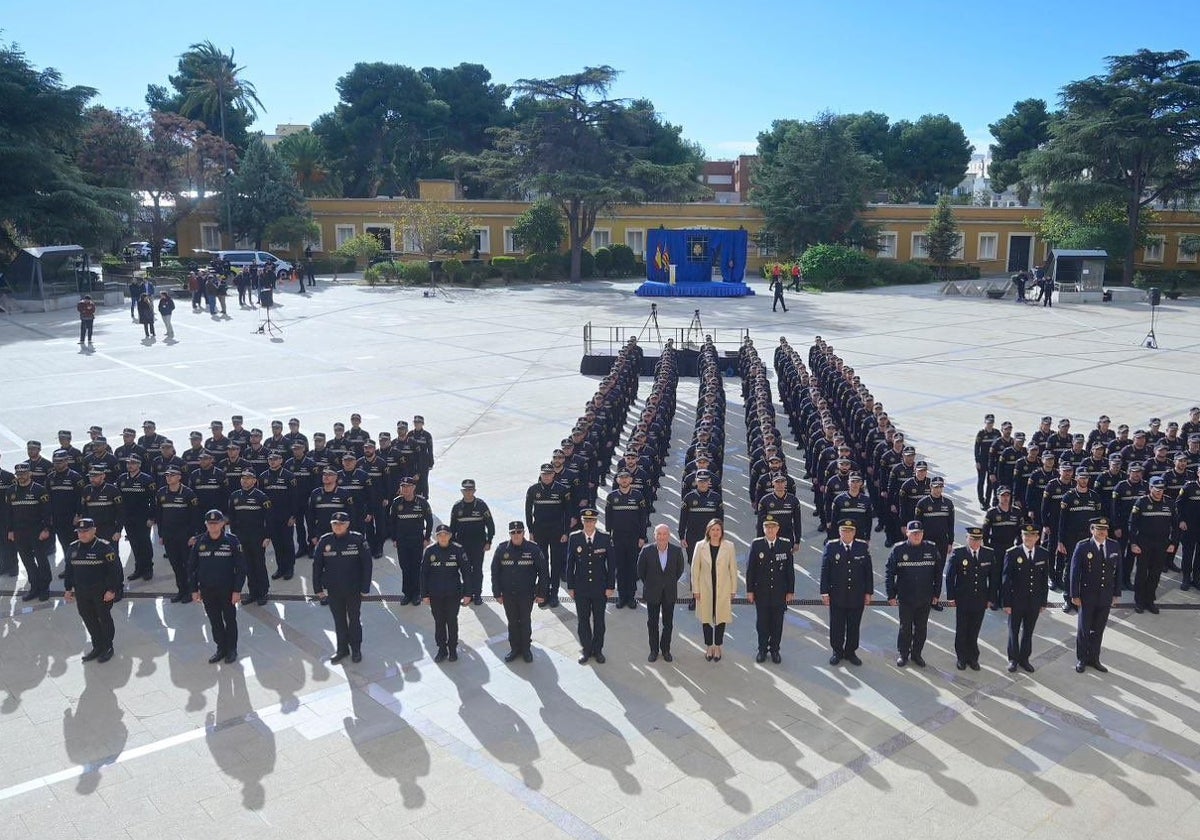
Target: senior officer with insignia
column 972, row 587
column 93, row 576
column 341, row 576
column 847, row 581
column 770, row 586
column 520, row 576
column 1024, row 585
column 217, row 571
column 1094, row 588
column 591, row 577
column 660, row 565
column 914, row 582
column 445, row 574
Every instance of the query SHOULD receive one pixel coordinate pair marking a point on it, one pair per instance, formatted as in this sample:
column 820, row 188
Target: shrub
column 546, row 266
column 960, row 272
column 624, row 261
column 333, row 265
column 372, row 275
column 587, row 264
column 524, row 269
column 507, row 266
column 823, row 265
column 414, row 273
column 604, row 261
column 454, row 270
column 892, row 273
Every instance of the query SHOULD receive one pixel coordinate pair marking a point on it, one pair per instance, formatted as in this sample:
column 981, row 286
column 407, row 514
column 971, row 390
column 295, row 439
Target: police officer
column 341, row 576
column 279, row 486
column 972, row 588
column 473, row 529
column 307, row 473
column 39, row 467
column 770, row 586
column 208, row 482
column 1079, row 506
column 325, row 501
column 151, row 440
column 847, row 581
column 445, row 571
column 983, row 443
column 93, row 576
column 28, row 528
column 8, row 551
column 358, row 484
column 1187, row 512
column 520, row 576
column 379, row 495
column 853, row 504
column 626, row 518
column 548, row 512
column 698, row 507
column 1024, row 585
column 1151, row 540
column 217, row 571
column 1124, row 496
column 784, row 507
column 1094, row 589
column 1002, row 523
column 591, row 576
column 101, row 503
column 914, row 582
column 411, row 524
column 179, row 523
column 249, row 509
column 424, row 441
column 65, row 487
column 137, row 505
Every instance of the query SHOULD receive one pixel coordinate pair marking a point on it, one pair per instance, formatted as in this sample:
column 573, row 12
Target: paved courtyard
column 157, row 743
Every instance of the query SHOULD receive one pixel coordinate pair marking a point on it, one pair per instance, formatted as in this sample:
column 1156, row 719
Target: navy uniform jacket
column 590, row 569
column 411, row 521
column 548, row 507
column 627, row 514
column 857, row 508
column 973, row 583
column 210, row 488
column 1151, row 523
column 472, row 522
column 28, row 508
column 519, row 570
column 178, row 513
column 102, row 504
column 937, row 517
column 444, row 571
column 93, row 565
column 217, row 564
column 914, row 572
column 280, row 487
column 770, row 574
column 786, row 510
column 342, row 565
column 1094, row 569
column 322, row 506
column 65, row 489
column 248, row 512
column 137, row 496
column 695, row 512
column 847, row 575
column 1002, row 528
column 1024, row 580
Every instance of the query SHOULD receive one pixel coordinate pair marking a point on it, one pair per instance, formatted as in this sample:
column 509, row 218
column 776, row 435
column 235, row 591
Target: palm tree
column 304, row 154
column 214, row 84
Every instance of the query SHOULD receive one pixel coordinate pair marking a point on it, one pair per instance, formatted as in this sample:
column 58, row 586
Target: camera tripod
column 694, row 327
column 268, row 327
column 652, row 318
column 1150, row 342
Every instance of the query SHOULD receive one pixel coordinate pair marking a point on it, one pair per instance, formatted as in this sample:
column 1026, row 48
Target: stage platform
column 711, row 289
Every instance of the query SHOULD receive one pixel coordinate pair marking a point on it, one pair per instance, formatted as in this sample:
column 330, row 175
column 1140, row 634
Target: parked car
column 244, row 259
column 141, row 250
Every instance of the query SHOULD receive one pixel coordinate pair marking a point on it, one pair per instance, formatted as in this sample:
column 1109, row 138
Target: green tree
column 433, row 228
column 925, row 158
column 942, row 235
column 1129, row 136
column 304, row 155
column 586, row 152
column 294, row 230
column 811, row 182
column 539, row 230
column 1100, row 227
column 1023, row 130
column 361, row 248
column 261, row 193
column 209, row 87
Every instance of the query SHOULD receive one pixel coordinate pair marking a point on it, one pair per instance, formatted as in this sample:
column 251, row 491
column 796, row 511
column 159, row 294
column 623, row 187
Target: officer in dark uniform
column 972, row 587
column 358, row 484
column 770, row 586
column 854, row 504
column 626, row 518
column 101, row 456
column 473, row 528
column 137, row 505
column 165, row 457
column 151, row 440
column 341, row 576
column 1002, row 523
column 424, row 441
column 548, row 512
column 784, row 507
column 101, row 503
column 1094, row 589
column 179, row 523
column 74, row 455
column 411, row 521
column 936, row 515
column 191, row 455
column 28, row 528
column 279, row 486
column 591, row 576
column 1151, row 541
column 1024, row 585
column 913, row 490
column 324, row 502
column 217, row 441
column 129, row 448
column 914, row 582
column 1124, row 496
column 520, row 574
column 217, row 571
column 1079, row 506
column 93, row 576
column 39, row 467
column 249, row 510
column 1187, row 513
column 357, row 435
column 378, row 496
column 445, row 570
column 209, row 484
column 239, row 434
column 983, row 442
column 65, row 487
column 8, row 551
column 847, row 581
column 307, row 473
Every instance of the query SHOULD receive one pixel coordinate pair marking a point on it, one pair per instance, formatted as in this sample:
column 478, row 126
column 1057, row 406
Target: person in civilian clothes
column 93, row 576
column 342, row 569
column 217, row 570
column 714, row 584
column 1094, row 588
column 972, row 588
column 847, row 582
column 914, row 583
column 660, row 566
column 520, row 575
column 1024, row 586
column 445, row 570
column 770, row 586
column 591, row 578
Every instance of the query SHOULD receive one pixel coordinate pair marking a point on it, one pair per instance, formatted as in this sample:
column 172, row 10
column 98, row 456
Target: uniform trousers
column 1148, row 569
column 65, row 533
column 590, row 608
column 257, row 580
column 1187, row 559
column 175, row 546
column 914, row 624
column 445, row 620
column 555, row 551
column 97, row 616
column 518, row 609
column 347, row 619
column 138, row 534
column 1021, row 622
column 968, row 621
column 280, row 534
column 844, row 623
column 982, row 490
column 474, row 574
column 376, row 531
column 408, row 557
column 625, row 554
column 35, row 557
column 769, row 623
column 222, row 615
column 660, row 640
column 1093, row 618
column 302, row 538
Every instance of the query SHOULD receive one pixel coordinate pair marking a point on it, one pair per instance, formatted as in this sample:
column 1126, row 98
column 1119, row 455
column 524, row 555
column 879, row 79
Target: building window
column 244, row 244
column 887, row 242
column 412, row 245
column 483, row 240
column 210, row 236
column 961, row 250
column 343, row 234
column 988, row 245
column 636, row 240
column 317, row 244
column 511, row 245
column 601, row 238
column 1184, row 256
column 920, row 246
column 1155, row 246
column 720, row 179
column 382, row 234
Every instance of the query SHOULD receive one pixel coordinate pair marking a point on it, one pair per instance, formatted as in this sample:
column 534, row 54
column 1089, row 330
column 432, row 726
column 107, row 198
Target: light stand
column 266, row 302
column 695, row 326
column 652, row 318
column 1150, row 342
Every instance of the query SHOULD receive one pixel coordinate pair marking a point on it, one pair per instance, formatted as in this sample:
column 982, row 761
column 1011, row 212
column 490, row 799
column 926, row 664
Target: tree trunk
column 1132, row 216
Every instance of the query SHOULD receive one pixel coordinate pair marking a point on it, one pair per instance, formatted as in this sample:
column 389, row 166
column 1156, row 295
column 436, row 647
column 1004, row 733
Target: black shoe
column 938, row 607
column 288, row 576
column 545, row 605
column 1095, row 663
column 1026, row 666
column 477, row 600
column 879, row 528
column 1152, row 609
column 216, row 657
column 1173, row 568
column 91, row 654
column 277, row 576
column 974, row 666
column 511, row 656
column 356, row 656
column 917, row 660
column 1054, row 586
column 692, row 605
column 960, row 665
column 761, row 656
column 62, row 575
column 1069, row 608
column 405, row 601
column 599, row 657
column 133, row 576
column 901, row 661
column 835, row 659
column 553, row 603
column 324, row 602
column 775, row 657
column 527, row 656
column 441, row 655
column 853, row 659
column 262, row 602
column 105, row 655
column 583, row 660
column 148, row 576
column 1137, row 608
column 667, row 657
column 653, row 657
column 338, row 656
column 29, row 596
column 453, row 657
column 1012, row 667
column 44, row 596
column 231, row 657
column 1185, row 586
column 1079, row 666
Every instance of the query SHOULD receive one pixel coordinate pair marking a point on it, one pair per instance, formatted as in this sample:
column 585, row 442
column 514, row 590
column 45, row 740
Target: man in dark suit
column 847, row 581
column 591, row 577
column 972, row 586
column 1094, row 588
column 659, row 567
column 1024, row 585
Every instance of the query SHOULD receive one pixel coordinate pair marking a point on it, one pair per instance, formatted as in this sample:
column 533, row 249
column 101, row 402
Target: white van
column 242, row 260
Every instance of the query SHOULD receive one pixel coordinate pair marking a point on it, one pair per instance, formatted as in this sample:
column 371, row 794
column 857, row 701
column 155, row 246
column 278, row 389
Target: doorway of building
column 383, row 234
column 1019, row 251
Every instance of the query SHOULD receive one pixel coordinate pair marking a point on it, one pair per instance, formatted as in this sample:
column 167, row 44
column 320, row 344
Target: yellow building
column 998, row 240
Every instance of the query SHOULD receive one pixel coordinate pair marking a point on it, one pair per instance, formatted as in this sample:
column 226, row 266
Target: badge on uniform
column 904, row 557
column 579, row 549
column 329, row 549
column 1089, row 555
column 1020, row 560
column 761, row 555
column 506, row 555
column 966, row 563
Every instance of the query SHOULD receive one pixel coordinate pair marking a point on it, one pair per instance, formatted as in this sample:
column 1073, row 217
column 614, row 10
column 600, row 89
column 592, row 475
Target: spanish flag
column 658, row 257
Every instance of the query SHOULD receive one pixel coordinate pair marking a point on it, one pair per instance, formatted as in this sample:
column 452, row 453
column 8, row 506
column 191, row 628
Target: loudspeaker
column 1155, row 295
column 266, row 298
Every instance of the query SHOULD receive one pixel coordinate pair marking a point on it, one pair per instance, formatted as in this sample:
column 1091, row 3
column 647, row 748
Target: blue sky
column 722, row 70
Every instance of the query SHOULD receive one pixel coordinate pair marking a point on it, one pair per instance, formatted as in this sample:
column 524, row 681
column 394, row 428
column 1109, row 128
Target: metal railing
column 608, row 340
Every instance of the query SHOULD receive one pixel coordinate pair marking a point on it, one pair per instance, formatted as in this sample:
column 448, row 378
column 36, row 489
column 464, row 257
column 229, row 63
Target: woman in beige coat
column 714, row 583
